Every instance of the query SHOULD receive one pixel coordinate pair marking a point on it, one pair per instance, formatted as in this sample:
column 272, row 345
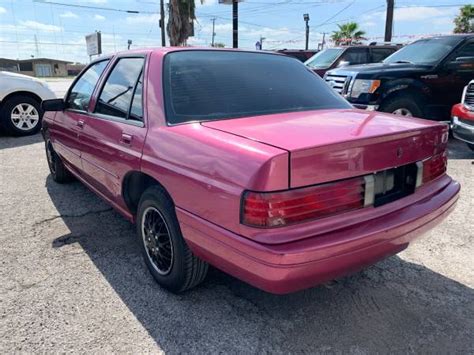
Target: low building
column 74, row 69
column 39, row 67
column 9, row 65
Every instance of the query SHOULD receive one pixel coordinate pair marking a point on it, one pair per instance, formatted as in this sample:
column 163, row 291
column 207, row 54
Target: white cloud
column 99, row 18
column 34, row 25
column 416, row 13
column 3, row 10
column 68, row 14
column 367, row 24
column 141, row 19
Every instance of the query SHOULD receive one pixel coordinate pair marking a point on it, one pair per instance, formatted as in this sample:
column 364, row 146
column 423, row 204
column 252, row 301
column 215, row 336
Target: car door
column 451, row 78
column 113, row 135
column 68, row 124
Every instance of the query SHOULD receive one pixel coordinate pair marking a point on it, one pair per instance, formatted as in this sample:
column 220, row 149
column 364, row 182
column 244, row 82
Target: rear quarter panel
column 206, row 171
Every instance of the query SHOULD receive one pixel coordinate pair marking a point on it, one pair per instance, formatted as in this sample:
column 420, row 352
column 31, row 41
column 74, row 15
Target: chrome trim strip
column 369, row 196
column 419, row 174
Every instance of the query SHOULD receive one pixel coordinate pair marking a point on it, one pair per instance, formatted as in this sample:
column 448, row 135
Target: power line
column 94, row 7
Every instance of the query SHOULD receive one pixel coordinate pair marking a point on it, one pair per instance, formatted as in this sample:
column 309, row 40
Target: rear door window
column 379, row 54
column 355, row 56
column 81, row 93
column 120, row 88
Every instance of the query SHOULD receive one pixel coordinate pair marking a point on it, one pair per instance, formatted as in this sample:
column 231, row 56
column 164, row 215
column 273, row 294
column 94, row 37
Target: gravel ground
column 72, row 280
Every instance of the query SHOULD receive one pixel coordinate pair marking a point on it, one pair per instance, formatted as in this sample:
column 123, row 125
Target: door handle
column 126, row 139
column 80, row 124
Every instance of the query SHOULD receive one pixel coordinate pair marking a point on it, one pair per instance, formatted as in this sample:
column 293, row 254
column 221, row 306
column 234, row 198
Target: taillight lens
column 435, row 166
column 271, row 209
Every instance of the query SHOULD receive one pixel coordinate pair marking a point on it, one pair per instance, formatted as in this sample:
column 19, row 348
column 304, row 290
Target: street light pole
column 389, row 20
column 306, row 20
column 162, row 23
column 213, row 31
column 235, row 24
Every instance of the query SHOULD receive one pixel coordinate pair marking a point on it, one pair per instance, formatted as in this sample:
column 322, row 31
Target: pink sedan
column 248, row 162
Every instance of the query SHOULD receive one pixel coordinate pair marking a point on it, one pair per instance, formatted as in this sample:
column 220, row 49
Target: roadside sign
column 94, row 43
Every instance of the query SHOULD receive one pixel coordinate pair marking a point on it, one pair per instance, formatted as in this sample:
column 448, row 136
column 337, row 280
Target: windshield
column 426, row 51
column 324, row 58
column 212, row 85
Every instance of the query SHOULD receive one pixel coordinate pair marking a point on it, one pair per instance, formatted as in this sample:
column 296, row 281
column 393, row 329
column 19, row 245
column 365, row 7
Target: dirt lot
column 72, row 279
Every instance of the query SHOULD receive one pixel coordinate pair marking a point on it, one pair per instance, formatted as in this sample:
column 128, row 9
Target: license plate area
column 393, row 184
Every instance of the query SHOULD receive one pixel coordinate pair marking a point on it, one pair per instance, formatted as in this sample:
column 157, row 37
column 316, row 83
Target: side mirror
column 53, row 105
column 343, row 63
column 465, row 59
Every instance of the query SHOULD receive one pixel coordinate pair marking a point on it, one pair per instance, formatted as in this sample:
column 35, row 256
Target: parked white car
column 20, row 103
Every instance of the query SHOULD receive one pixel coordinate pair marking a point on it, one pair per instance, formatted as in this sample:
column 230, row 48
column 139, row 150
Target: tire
column 21, row 115
column 471, row 146
column 403, row 103
column 58, row 171
column 170, row 260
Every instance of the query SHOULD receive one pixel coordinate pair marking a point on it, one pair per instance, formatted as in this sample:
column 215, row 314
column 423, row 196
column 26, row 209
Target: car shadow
column 15, row 142
column 393, row 306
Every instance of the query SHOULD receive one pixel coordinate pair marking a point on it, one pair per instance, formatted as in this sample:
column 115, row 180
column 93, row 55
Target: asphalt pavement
column 72, row 280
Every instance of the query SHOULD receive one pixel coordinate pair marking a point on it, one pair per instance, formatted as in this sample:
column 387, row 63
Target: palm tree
column 180, row 22
column 348, row 34
column 464, row 22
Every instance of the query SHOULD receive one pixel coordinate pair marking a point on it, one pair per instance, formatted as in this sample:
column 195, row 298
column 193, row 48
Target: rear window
column 213, row 85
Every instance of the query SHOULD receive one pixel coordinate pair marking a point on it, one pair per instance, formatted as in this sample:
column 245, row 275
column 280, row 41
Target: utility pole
column 162, row 23
column 389, row 20
column 306, row 19
column 261, row 41
column 324, row 40
column 213, row 32
column 235, row 24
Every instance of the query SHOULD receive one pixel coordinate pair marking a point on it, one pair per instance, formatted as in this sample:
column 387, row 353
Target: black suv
column 424, row 79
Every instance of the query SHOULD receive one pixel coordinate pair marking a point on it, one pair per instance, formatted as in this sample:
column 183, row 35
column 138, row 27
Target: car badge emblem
column 399, row 152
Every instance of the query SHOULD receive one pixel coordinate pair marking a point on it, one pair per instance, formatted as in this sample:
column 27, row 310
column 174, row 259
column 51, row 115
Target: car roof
column 164, row 50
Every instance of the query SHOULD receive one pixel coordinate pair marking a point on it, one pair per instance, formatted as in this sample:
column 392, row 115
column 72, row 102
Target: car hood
column 302, row 130
column 375, row 69
column 10, row 75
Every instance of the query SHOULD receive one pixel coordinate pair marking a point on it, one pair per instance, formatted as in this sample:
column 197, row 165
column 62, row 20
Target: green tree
column 464, row 22
column 219, row 45
column 348, row 33
column 180, row 21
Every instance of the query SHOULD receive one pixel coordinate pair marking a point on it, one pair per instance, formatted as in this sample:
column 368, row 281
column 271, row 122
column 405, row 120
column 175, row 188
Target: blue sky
column 59, row 30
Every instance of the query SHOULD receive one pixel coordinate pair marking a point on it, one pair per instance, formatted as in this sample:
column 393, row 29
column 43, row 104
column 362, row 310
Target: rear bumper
column 292, row 266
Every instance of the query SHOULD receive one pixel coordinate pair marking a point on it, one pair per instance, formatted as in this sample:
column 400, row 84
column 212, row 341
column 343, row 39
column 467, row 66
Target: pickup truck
column 462, row 117
column 20, row 103
column 266, row 173
column 424, row 79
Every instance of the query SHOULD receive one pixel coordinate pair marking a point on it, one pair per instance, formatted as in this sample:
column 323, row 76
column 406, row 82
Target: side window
column 136, row 111
column 355, row 56
column 466, row 51
column 118, row 91
column 379, row 54
column 81, row 92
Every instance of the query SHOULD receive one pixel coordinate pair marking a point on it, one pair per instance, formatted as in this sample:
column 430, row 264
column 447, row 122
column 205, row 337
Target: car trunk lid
column 329, row 145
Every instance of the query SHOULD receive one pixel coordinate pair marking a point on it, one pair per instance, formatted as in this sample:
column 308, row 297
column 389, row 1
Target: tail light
column 271, row 209
column 435, row 166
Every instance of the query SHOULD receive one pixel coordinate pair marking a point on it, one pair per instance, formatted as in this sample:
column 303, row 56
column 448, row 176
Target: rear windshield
column 212, row 85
